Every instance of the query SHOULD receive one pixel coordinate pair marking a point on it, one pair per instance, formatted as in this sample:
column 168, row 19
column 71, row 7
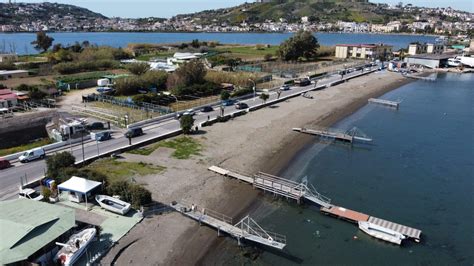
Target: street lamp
column 254, row 89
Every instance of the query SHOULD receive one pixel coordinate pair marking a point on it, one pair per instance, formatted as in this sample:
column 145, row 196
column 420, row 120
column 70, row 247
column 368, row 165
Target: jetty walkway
column 385, row 102
column 326, row 133
column 299, row 191
column 245, row 229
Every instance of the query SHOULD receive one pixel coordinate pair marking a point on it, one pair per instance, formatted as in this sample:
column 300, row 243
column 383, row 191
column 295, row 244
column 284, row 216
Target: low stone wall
column 24, row 121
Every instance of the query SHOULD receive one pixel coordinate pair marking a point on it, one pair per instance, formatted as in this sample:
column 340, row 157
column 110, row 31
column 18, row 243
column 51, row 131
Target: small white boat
column 112, row 204
column 75, row 246
column 454, row 62
column 381, row 232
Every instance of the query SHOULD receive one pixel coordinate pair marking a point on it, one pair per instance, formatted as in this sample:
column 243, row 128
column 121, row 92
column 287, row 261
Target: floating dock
column 421, row 78
column 332, row 135
column 245, row 229
column 385, row 102
column 303, row 190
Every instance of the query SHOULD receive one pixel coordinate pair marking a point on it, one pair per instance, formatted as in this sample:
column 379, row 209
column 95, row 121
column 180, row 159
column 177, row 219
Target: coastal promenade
column 10, row 178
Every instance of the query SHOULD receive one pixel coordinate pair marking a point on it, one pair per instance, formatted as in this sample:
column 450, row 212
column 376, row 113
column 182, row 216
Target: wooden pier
column 245, row 229
column 333, row 135
column 385, row 102
column 303, row 190
column 421, row 78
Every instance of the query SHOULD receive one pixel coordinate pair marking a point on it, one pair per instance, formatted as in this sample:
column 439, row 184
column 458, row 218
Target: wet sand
column 259, row 141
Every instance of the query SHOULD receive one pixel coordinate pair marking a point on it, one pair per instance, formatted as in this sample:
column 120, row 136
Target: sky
column 169, row 8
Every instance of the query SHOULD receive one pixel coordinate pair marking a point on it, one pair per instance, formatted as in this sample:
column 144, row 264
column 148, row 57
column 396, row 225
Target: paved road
column 10, row 178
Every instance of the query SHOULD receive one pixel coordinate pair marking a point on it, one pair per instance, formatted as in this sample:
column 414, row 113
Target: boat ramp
column 385, row 102
column 332, row 134
column 299, row 191
column 245, row 229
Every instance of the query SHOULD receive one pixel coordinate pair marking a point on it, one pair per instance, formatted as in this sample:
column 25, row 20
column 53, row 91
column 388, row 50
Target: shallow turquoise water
column 418, row 172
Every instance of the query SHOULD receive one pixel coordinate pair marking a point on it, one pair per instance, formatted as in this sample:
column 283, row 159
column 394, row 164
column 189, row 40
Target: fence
column 143, row 106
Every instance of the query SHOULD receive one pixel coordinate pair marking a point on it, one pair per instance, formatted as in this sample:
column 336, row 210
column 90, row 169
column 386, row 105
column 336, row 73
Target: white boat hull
column 75, row 247
column 112, row 204
column 468, row 61
column 381, row 233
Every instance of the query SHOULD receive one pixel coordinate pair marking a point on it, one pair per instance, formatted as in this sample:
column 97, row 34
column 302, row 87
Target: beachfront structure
column 429, row 60
column 9, row 74
column 8, row 99
column 425, row 48
column 180, row 58
column 8, row 58
column 30, row 230
column 363, row 51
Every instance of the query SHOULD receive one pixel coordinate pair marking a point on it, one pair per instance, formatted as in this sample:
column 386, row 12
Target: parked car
column 95, row 126
column 228, row 102
column 207, row 109
column 31, row 194
column 101, row 136
column 134, row 132
column 285, row 87
column 241, row 105
column 4, row 163
column 303, row 82
column 190, row 112
column 31, row 155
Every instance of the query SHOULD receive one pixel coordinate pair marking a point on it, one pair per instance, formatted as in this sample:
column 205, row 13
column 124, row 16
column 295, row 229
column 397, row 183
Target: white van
column 31, row 155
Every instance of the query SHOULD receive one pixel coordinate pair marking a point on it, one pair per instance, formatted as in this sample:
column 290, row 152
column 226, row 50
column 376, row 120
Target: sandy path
column 261, row 140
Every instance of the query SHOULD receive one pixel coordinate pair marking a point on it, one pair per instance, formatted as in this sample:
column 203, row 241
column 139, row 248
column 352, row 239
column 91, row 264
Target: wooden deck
column 346, row 214
column 326, row 134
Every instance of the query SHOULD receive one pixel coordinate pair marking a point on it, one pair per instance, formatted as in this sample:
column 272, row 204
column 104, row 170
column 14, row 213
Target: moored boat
column 75, row 246
column 112, row 204
column 381, row 232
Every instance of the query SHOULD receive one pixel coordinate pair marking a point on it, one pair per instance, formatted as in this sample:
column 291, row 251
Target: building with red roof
column 7, row 98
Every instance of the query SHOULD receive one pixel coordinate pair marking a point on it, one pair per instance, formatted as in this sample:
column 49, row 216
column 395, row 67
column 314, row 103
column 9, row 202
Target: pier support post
column 238, row 241
column 218, row 231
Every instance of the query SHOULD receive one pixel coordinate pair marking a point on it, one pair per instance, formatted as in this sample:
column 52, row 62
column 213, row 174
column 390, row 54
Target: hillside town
column 423, row 20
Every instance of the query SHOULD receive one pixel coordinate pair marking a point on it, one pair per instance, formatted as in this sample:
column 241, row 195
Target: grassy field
column 118, row 170
column 184, row 147
column 25, row 147
column 249, row 52
column 147, row 57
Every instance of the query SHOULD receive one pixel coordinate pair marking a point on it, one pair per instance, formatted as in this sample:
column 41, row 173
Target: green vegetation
column 184, row 147
column 301, row 45
column 82, row 77
column 259, row 50
column 82, row 66
column 25, row 147
column 122, row 171
column 151, row 79
column 138, row 68
column 148, row 56
column 264, row 97
column 42, row 42
column 57, row 162
column 187, row 123
column 137, row 195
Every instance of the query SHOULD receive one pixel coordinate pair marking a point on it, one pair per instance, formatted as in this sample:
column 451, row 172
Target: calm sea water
column 419, row 171
column 22, row 41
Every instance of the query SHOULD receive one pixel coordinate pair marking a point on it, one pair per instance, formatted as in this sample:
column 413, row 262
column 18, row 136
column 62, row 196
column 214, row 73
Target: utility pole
column 82, row 143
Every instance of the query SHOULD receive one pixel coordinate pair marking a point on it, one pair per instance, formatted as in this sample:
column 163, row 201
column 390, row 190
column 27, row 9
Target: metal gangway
column 279, row 186
column 245, row 229
column 348, row 136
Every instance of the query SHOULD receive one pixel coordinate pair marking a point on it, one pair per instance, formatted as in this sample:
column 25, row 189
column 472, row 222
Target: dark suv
column 134, row 132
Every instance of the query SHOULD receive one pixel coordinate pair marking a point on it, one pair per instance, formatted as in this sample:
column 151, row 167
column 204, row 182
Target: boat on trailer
column 75, row 246
column 113, row 204
column 382, row 233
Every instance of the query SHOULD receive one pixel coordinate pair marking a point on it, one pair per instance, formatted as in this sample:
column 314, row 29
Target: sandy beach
column 259, row 141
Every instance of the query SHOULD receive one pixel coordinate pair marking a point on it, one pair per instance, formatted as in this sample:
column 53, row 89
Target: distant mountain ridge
column 18, row 13
column 293, row 10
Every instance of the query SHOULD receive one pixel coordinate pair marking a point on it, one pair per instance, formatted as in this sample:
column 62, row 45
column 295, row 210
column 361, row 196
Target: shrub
column 7, row 66
column 236, row 78
column 187, row 123
column 80, row 66
column 46, row 192
column 268, row 57
column 137, row 195
column 138, row 68
column 264, row 97
column 225, row 95
column 57, row 162
column 36, row 94
column 242, row 92
column 200, row 90
column 155, row 79
column 129, row 85
column 192, row 72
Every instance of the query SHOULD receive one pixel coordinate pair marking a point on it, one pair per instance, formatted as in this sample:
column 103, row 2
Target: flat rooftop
column 432, row 56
